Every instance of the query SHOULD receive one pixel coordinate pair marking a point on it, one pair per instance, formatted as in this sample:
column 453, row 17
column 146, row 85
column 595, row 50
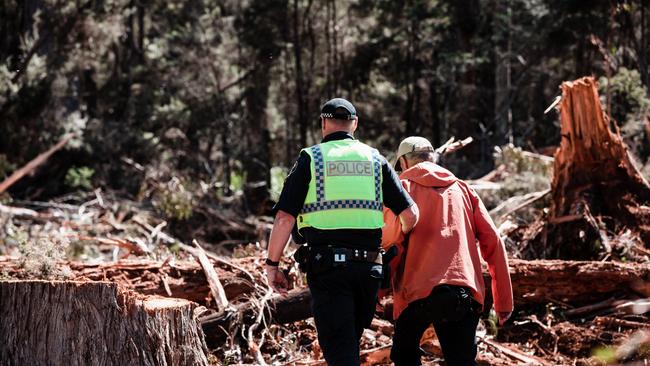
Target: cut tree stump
column 184, row 280
column 95, row 323
column 594, row 182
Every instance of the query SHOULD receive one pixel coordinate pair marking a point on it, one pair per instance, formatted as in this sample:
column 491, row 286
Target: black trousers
column 343, row 304
column 457, row 338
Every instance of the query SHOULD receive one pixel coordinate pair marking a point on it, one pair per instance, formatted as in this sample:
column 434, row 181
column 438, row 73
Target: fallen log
column 376, row 356
column 533, row 282
column 514, row 353
column 588, row 309
column 615, row 322
column 122, row 243
column 186, row 280
column 575, row 282
column 95, row 323
column 283, row 309
column 20, row 212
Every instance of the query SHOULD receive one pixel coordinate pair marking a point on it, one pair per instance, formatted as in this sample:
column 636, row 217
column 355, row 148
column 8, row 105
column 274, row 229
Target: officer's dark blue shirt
column 295, row 190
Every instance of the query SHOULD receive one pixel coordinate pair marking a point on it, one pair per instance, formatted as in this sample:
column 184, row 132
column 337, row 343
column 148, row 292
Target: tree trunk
column 574, row 282
column 95, row 323
column 596, row 188
column 301, row 93
column 262, row 30
column 257, row 164
column 501, row 69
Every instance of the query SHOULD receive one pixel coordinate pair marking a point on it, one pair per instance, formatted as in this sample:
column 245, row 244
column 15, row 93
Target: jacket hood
column 429, row 174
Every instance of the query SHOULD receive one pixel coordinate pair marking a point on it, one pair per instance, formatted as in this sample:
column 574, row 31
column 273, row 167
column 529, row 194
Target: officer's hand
column 503, row 316
column 277, row 280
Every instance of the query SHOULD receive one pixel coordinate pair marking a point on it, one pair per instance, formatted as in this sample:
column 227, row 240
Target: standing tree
column 261, row 30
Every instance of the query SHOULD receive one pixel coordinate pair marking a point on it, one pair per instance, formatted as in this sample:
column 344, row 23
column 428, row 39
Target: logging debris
column 273, row 322
column 567, row 312
column 278, row 330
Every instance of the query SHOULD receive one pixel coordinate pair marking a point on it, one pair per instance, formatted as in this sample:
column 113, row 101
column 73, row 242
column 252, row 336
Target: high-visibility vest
column 345, row 189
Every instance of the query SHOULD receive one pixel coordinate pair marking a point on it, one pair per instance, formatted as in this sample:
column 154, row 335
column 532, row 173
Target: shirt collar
column 338, row 135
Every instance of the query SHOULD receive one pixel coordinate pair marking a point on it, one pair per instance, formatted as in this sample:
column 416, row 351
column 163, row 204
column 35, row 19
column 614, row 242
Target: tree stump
column 596, row 188
column 95, row 323
column 185, row 280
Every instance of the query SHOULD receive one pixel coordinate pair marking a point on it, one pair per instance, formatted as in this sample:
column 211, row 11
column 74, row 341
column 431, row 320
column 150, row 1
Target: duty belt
column 320, row 259
column 342, row 255
column 355, row 255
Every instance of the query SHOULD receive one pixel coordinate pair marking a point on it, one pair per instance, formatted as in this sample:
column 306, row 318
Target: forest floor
column 97, row 236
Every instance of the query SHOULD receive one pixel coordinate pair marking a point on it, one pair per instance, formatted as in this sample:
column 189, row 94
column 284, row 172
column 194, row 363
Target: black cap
column 338, row 108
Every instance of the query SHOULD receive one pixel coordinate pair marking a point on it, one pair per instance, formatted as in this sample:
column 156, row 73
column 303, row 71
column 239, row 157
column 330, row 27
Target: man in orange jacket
column 441, row 281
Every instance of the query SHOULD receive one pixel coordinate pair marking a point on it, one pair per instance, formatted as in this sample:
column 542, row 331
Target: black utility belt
column 354, row 255
column 321, row 258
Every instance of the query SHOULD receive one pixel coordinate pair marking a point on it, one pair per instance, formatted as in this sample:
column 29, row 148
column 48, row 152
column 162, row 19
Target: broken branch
column 40, row 159
column 216, row 288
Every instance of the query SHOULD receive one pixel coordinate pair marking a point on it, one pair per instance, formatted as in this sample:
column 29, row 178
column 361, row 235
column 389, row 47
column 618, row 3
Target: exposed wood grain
column 95, row 323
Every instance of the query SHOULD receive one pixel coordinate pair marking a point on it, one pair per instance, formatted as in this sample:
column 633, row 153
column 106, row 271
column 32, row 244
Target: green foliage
column 491, row 323
column 523, row 174
column 79, row 177
column 605, row 354
column 237, row 180
column 630, row 106
column 174, row 201
column 203, row 89
column 278, row 174
column 39, row 256
column 5, row 166
column 629, row 95
column 516, row 160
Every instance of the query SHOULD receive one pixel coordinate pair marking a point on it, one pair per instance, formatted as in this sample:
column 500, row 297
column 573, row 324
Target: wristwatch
column 272, row 263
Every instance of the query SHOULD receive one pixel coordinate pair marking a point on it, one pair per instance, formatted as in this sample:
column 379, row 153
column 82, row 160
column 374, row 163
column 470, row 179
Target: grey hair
column 420, row 156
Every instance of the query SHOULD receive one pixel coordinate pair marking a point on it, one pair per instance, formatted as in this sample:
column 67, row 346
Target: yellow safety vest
column 345, row 189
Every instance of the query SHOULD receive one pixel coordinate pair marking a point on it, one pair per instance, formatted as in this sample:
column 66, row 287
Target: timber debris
column 212, row 300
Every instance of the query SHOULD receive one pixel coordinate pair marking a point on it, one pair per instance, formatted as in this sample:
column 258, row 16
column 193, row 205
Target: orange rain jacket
column 444, row 245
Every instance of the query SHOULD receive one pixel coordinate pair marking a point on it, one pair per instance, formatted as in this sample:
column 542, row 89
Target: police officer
column 335, row 194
